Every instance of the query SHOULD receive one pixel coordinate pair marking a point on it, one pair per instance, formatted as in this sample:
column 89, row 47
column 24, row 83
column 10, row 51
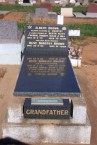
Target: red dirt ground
column 20, row 17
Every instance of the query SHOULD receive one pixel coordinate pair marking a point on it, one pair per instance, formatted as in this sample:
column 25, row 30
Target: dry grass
column 2, row 72
column 44, row 21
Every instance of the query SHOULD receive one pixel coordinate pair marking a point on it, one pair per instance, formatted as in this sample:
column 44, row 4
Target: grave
column 10, row 42
column 67, row 12
column 92, row 8
column 48, row 106
column 26, row 2
column 46, row 62
column 85, row 2
column 72, row 2
column 41, row 12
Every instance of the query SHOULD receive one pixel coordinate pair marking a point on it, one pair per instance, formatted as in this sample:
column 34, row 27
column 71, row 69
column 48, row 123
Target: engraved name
column 47, row 112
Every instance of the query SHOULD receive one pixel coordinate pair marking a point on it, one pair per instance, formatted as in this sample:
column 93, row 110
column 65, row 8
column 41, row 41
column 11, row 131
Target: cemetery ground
column 21, row 17
column 86, row 75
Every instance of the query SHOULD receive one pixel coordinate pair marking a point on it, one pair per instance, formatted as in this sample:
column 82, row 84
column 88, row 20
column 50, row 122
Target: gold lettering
column 62, row 112
column 66, row 112
column 51, row 112
column 29, row 111
column 54, row 111
column 58, row 112
column 47, row 112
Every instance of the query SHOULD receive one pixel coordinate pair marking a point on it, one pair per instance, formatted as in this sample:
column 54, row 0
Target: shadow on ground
column 11, row 141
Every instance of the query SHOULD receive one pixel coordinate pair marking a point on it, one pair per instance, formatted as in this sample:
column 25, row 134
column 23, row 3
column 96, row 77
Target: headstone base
column 76, row 130
column 31, row 133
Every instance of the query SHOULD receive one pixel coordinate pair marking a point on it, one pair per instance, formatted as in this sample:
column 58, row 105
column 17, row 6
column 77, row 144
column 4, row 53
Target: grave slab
column 32, row 133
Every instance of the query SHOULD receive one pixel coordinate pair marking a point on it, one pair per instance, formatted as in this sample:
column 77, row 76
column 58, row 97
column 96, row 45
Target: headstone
column 52, row 1
column 80, row 1
column 12, row 1
column 10, row 42
column 57, row 1
column 2, row 1
column 72, row 1
column 52, row 15
column 77, row 4
column 52, row 96
column 60, row 20
column 46, row 66
column 41, row 12
column 92, row 8
column 9, row 30
column 64, row 2
column 42, row 1
column 85, row 2
column 67, row 12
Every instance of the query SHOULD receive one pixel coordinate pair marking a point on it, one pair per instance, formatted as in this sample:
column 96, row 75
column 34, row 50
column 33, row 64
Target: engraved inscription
column 46, row 65
column 39, row 36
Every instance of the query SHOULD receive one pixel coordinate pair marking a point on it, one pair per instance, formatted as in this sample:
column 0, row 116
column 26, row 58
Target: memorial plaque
column 47, row 108
column 46, row 66
column 45, row 39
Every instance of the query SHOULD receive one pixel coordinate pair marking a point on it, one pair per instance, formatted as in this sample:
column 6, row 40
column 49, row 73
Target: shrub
column 56, row 9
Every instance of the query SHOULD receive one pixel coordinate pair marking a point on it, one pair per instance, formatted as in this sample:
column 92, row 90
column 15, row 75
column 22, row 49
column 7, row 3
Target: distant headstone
column 41, row 12
column 64, row 2
column 77, row 4
column 92, row 8
column 72, row 1
column 52, row 1
column 67, row 12
column 8, row 29
column 42, row 1
column 85, row 2
column 80, row 1
column 11, row 1
column 52, row 15
column 10, row 42
column 60, row 20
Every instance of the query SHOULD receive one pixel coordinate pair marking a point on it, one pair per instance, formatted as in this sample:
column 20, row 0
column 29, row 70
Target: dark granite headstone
column 47, row 108
column 46, row 69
